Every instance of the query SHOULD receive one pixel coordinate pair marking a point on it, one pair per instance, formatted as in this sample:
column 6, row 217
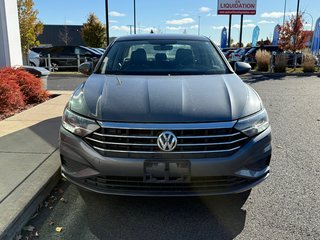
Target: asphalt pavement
column 65, row 82
column 285, row 206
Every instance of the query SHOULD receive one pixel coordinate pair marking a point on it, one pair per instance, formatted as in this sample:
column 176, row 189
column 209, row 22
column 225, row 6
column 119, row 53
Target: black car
column 66, row 57
column 250, row 56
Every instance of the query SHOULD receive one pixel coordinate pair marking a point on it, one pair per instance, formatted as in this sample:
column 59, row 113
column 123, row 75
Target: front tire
column 54, row 67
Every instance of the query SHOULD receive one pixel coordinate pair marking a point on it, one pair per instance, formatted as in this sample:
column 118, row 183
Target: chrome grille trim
column 211, row 144
column 211, row 136
column 167, row 126
column 154, row 137
column 123, row 136
column 150, row 152
column 118, row 143
column 204, row 139
column 154, row 145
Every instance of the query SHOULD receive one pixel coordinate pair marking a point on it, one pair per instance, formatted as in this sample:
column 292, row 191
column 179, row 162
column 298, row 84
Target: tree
column 93, row 32
column 64, row 35
column 30, row 26
column 264, row 42
column 292, row 36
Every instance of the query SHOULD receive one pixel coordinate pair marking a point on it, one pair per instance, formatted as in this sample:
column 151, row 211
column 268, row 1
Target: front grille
column 208, row 140
column 197, row 184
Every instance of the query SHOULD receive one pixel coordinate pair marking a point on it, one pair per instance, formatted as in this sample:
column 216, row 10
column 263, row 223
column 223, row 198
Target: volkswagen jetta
column 165, row 115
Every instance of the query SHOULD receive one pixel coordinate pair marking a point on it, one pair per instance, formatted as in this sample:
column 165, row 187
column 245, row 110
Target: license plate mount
column 167, row 171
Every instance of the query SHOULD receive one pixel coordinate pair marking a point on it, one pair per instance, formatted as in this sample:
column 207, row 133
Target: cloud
column 211, row 15
column 116, row 14
column 249, row 25
column 247, row 21
column 275, row 14
column 194, row 26
column 175, row 28
column 218, row 27
column 180, row 21
column 183, row 14
column 204, row 9
column 120, row 28
column 266, row 22
column 307, row 25
column 113, row 21
column 147, row 29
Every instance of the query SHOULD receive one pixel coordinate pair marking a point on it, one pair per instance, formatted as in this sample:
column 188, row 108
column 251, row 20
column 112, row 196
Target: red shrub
column 18, row 88
column 30, row 86
column 11, row 98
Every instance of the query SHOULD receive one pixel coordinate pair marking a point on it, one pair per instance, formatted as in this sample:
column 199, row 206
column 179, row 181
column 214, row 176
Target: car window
column 81, row 51
column 68, row 50
column 163, row 57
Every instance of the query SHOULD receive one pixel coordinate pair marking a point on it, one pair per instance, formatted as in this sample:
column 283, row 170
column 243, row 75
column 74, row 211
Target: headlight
column 254, row 124
column 78, row 125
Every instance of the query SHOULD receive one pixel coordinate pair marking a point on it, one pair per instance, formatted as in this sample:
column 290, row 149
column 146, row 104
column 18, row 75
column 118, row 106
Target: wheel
column 54, row 67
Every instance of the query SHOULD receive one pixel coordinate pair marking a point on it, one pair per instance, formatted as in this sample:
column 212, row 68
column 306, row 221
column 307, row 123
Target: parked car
column 224, row 50
column 65, row 57
column 228, row 53
column 99, row 50
column 165, row 115
column 250, row 56
column 238, row 55
column 34, row 58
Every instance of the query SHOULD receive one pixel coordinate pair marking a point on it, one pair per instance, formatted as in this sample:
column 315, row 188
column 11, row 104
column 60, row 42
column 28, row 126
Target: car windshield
column 163, row 57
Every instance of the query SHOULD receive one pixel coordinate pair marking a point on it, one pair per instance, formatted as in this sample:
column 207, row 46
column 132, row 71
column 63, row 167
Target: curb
column 33, row 191
column 268, row 74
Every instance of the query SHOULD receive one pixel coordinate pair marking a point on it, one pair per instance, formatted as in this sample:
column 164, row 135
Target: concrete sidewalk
column 29, row 159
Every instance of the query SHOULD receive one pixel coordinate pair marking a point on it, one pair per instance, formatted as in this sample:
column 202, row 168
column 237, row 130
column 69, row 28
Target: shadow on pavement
column 253, row 78
column 164, row 218
column 260, row 78
column 39, row 138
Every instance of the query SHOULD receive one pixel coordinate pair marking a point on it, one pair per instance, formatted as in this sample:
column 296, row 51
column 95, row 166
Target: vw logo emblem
column 167, row 141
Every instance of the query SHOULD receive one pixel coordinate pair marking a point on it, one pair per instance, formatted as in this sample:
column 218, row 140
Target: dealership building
column 10, row 45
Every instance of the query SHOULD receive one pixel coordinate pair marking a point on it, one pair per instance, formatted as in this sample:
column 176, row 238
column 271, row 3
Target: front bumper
column 86, row 168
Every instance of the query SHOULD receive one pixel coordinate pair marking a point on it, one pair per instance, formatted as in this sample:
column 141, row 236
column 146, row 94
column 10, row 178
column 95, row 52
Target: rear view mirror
column 241, row 68
column 86, row 68
column 162, row 48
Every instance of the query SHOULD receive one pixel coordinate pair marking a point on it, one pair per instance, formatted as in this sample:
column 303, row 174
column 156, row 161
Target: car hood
column 197, row 98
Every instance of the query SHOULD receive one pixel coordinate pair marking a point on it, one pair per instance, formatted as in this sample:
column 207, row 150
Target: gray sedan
column 165, row 115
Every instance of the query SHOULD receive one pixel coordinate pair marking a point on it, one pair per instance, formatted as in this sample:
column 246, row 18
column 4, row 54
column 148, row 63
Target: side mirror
column 86, row 68
column 241, row 68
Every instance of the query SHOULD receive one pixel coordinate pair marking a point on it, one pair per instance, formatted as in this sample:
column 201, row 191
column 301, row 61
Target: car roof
column 162, row 37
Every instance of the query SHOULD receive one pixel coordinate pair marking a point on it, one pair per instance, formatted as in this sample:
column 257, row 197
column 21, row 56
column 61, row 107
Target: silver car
column 165, row 115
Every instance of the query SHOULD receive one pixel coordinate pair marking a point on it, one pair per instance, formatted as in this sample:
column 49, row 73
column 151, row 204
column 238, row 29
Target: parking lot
column 286, row 206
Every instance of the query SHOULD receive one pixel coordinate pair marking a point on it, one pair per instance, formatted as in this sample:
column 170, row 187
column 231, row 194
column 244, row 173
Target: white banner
column 246, row 7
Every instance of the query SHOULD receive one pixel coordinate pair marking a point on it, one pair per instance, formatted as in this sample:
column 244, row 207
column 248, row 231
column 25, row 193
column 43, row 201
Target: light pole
column 311, row 19
column 107, row 22
column 134, row 17
column 199, row 25
column 284, row 12
column 130, row 27
column 298, row 7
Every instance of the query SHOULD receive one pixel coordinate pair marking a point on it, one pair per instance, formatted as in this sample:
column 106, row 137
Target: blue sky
column 174, row 16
